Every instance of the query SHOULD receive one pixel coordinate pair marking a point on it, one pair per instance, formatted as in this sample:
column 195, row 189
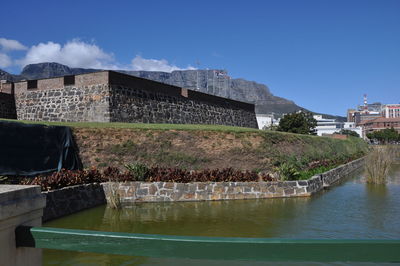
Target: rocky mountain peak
column 215, row 82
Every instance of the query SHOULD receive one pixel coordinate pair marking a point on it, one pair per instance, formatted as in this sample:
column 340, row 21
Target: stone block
column 153, row 189
column 169, row 185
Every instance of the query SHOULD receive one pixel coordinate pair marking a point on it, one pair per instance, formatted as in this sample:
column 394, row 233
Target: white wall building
column 331, row 126
column 265, row 121
column 391, row 110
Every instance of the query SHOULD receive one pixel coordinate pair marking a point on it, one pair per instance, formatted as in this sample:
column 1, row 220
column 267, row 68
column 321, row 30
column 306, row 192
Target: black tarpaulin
column 27, row 149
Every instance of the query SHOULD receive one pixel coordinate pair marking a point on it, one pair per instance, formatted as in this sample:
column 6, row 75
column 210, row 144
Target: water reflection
column 352, row 209
column 252, row 218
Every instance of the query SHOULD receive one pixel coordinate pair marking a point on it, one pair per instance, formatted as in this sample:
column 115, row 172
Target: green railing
column 213, row 248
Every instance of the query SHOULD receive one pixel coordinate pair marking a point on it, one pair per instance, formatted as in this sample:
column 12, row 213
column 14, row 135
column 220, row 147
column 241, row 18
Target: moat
column 352, row 209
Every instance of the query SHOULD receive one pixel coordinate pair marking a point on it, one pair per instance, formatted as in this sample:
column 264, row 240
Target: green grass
column 139, row 126
column 275, row 149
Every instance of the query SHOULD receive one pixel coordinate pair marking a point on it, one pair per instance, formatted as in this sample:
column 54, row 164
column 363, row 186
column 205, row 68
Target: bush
column 298, row 122
column 288, row 171
column 139, row 171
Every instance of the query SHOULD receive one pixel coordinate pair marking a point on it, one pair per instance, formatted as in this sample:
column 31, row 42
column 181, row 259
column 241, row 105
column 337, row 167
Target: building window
column 32, row 84
column 69, row 80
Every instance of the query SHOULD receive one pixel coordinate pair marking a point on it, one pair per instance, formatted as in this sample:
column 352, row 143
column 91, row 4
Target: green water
column 351, row 209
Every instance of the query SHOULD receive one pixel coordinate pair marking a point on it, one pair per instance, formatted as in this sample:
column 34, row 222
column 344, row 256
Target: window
column 69, row 80
column 32, row 84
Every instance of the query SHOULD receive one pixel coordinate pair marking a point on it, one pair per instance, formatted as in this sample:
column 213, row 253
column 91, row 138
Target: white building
column 391, row 110
column 331, row 126
column 265, row 121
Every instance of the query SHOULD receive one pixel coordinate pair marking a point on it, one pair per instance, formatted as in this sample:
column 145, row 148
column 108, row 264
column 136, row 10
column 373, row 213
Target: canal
column 352, row 209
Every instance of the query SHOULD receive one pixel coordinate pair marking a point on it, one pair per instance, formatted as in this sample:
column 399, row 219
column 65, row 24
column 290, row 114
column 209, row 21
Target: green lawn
column 141, row 126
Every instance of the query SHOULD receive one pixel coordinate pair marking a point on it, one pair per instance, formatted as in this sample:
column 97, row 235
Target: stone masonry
column 165, row 191
column 69, row 200
column 136, row 105
column 108, row 96
column 70, row 104
column 72, row 199
column 7, row 106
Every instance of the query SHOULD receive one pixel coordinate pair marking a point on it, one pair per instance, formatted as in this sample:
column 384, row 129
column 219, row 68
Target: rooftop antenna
column 365, row 102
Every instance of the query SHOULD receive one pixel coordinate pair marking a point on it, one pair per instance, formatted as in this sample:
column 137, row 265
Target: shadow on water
column 352, row 209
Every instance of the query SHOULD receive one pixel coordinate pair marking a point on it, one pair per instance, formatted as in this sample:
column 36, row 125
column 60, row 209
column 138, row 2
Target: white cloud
column 9, row 45
column 74, row 53
column 140, row 63
column 5, row 60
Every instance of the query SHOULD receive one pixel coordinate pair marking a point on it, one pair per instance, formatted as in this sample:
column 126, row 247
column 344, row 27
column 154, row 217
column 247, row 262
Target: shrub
column 139, row 171
column 288, row 171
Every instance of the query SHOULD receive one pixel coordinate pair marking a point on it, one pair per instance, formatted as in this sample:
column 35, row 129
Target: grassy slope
column 203, row 146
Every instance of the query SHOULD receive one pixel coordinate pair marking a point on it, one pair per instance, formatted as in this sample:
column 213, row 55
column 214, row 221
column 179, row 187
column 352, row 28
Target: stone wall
column 65, row 104
column 69, row 200
column 7, row 106
column 335, row 175
column 164, row 191
column 109, row 96
column 144, row 106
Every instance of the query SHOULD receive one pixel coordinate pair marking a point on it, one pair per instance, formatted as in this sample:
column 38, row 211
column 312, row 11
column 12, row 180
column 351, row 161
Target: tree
column 386, row 135
column 300, row 122
column 349, row 133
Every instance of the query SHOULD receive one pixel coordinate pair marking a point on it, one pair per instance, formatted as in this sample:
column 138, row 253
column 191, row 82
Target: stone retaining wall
column 166, row 191
column 69, row 200
column 334, row 175
column 73, row 199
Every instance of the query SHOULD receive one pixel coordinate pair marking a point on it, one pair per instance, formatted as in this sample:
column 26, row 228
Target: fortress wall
column 144, row 106
column 84, row 98
column 66, row 104
column 108, row 96
column 7, row 106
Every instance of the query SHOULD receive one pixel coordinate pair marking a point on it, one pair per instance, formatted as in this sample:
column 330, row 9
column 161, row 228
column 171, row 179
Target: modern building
column 265, row 121
column 391, row 110
column 327, row 126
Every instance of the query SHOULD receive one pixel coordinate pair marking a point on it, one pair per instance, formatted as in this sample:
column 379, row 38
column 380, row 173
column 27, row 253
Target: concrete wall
column 7, row 106
column 19, row 205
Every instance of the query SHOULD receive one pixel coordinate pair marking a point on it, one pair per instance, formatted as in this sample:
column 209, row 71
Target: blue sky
column 322, row 54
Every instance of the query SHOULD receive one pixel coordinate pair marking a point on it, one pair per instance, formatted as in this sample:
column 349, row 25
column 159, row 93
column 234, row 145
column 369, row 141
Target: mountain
column 49, row 70
column 215, row 82
column 7, row 76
